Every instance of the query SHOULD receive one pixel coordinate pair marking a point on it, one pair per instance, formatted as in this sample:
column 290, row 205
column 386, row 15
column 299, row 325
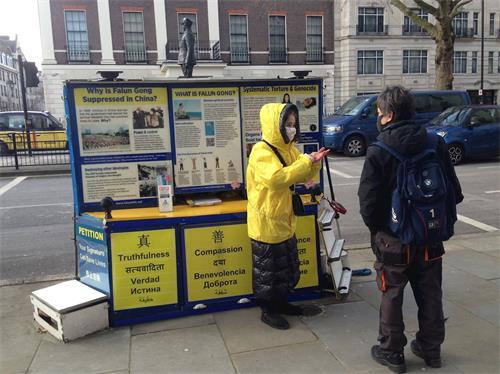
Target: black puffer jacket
column 275, row 269
column 378, row 178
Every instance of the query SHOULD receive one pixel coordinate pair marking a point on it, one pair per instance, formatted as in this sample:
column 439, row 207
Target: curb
column 21, row 172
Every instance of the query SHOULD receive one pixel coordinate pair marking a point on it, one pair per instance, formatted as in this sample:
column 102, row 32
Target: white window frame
column 322, row 36
column 269, row 37
column 364, row 58
column 463, row 59
column 143, row 36
column 86, row 30
column 371, row 15
column 416, row 57
column 230, row 42
column 419, row 12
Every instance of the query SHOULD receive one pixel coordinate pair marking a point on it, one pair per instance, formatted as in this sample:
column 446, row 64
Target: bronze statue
column 187, row 58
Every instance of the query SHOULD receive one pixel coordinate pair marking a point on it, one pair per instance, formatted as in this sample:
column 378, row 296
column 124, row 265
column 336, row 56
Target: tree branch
column 427, row 7
column 457, row 7
column 426, row 25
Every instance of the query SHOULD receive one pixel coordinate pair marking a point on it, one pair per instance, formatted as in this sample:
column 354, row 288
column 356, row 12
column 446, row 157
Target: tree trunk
column 444, row 55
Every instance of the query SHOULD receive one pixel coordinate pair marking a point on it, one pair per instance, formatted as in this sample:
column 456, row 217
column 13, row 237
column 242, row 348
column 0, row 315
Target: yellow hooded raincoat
column 270, row 215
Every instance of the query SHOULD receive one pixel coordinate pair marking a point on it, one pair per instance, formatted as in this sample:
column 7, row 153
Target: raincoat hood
column 272, row 119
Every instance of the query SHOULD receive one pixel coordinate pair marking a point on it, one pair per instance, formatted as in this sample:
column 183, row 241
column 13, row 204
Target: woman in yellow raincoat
column 271, row 221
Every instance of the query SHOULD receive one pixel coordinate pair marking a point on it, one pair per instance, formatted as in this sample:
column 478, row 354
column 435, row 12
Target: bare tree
column 441, row 32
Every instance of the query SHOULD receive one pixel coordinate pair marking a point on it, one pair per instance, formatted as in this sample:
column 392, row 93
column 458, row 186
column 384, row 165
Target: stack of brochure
column 203, row 201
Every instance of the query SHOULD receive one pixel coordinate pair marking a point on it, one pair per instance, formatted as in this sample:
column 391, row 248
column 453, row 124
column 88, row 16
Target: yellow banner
column 204, row 93
column 305, row 89
column 218, row 262
column 306, row 243
column 144, row 269
column 120, row 95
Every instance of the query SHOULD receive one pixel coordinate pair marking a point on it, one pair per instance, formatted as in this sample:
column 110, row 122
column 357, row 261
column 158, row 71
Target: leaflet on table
column 122, row 120
column 123, row 181
column 207, row 137
column 304, row 96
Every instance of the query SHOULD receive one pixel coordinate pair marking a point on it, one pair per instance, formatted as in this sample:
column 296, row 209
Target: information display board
column 218, row 262
column 144, row 268
column 123, row 134
column 308, row 254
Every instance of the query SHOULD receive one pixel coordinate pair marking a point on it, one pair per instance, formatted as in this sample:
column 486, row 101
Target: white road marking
column 12, row 184
column 473, row 222
column 34, row 206
column 496, row 191
column 339, row 173
column 488, row 167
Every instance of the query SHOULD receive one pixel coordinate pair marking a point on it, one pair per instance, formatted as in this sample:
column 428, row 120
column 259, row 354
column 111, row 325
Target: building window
column 475, row 23
column 370, row 20
column 76, row 35
column 460, row 24
column 491, row 56
column 414, row 62
column 492, row 23
column 460, row 62
column 474, row 63
column 238, row 38
column 410, row 27
column 277, row 39
column 133, row 29
column 498, row 67
column 370, row 62
column 314, row 39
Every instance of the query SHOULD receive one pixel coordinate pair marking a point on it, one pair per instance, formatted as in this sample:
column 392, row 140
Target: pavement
column 337, row 341
column 35, row 170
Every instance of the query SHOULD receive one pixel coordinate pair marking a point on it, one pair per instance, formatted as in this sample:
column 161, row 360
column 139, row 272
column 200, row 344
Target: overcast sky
column 21, row 17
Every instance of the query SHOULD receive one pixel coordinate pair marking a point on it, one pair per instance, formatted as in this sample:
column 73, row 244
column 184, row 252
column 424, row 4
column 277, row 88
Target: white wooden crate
column 70, row 310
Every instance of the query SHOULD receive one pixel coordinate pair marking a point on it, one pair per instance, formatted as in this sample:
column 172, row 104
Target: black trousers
column 423, row 269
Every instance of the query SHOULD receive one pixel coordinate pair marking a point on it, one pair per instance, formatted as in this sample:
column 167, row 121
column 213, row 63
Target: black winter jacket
column 378, row 178
column 275, row 269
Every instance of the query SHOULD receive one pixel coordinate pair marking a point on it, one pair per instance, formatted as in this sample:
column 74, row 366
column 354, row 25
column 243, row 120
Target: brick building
column 234, row 38
column 10, row 91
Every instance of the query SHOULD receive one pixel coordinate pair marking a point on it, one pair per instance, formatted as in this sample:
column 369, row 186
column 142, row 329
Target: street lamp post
column 481, row 92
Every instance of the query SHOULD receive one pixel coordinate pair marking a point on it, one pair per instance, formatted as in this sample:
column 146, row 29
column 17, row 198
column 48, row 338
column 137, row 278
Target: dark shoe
column 299, row 310
column 393, row 360
column 275, row 321
column 433, row 362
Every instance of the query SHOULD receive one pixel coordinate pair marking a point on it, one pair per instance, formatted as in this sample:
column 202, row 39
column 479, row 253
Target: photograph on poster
column 209, row 128
column 149, row 118
column 147, row 188
column 187, row 110
column 112, row 138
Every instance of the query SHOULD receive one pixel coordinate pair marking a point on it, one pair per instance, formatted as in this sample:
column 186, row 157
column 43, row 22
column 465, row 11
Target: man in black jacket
column 419, row 265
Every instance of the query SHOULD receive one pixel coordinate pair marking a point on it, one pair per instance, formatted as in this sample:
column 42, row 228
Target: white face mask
column 290, row 132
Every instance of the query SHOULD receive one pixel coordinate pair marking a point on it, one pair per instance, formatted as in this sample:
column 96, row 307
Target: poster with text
column 144, row 268
column 122, row 120
column 253, row 98
column 123, row 181
column 207, row 137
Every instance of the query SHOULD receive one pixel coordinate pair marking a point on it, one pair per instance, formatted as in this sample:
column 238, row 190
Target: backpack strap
column 390, row 150
column 277, row 153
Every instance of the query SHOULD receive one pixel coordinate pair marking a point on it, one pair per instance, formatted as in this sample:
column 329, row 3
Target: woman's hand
column 318, row 156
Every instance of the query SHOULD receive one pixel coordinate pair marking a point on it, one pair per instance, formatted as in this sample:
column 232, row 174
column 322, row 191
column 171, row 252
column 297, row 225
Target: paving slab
column 243, row 331
column 311, row 357
column 106, row 351
column 480, row 264
column 348, row 331
column 360, row 259
column 18, row 344
column 473, row 347
column 173, row 324
column 487, row 243
column 192, row 350
column 476, row 295
column 15, row 300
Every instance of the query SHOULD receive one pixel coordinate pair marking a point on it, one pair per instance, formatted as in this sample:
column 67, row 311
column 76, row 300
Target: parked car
column 46, row 132
column 354, row 125
column 469, row 131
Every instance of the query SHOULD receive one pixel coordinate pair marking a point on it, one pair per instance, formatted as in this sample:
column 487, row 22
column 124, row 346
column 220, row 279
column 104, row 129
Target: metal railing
column 240, row 55
column 78, row 53
column 314, row 54
column 204, row 50
column 14, row 152
column 278, row 56
column 135, row 54
column 413, row 30
column 464, row 33
column 361, row 30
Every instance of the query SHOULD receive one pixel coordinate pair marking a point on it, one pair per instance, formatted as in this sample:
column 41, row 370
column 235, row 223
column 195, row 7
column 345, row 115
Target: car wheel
column 456, row 152
column 355, row 146
column 4, row 150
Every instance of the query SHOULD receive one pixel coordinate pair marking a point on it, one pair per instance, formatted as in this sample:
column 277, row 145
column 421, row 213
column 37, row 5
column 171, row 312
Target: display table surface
column 182, row 210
